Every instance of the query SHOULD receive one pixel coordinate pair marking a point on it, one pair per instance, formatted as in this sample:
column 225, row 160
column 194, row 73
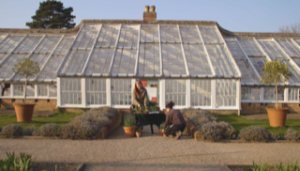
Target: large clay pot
column 129, row 131
column 24, row 112
column 160, row 131
column 277, row 117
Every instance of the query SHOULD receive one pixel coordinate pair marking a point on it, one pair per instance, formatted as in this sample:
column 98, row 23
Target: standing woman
column 139, row 94
column 175, row 123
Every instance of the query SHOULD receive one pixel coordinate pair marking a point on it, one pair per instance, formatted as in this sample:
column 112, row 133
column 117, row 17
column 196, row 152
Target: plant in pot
column 129, row 125
column 273, row 73
column 138, row 132
column 25, row 68
column 161, row 128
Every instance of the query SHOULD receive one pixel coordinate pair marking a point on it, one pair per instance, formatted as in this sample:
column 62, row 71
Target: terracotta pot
column 277, row 117
column 129, row 131
column 160, row 131
column 138, row 134
column 24, row 112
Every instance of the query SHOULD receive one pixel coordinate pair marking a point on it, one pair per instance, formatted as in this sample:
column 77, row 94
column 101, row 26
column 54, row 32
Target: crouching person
column 175, row 123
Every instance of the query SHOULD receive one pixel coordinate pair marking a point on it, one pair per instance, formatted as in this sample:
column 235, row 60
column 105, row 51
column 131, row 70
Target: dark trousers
column 172, row 129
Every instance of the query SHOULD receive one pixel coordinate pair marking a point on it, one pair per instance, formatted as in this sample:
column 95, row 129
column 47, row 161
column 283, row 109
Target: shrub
column 129, row 120
column 49, row 130
column 254, row 133
column 215, row 131
column 211, row 131
column 274, row 136
column 84, row 127
column 12, row 163
column 103, row 112
column 292, row 134
column 12, row 131
column 31, row 130
column 198, row 116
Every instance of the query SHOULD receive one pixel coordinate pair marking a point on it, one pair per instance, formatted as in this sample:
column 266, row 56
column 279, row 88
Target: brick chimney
column 149, row 16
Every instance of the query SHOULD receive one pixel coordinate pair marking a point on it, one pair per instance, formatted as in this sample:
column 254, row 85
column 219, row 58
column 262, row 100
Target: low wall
column 40, row 105
column 256, row 108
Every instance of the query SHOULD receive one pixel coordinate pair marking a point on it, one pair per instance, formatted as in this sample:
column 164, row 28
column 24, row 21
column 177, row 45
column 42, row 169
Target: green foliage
column 26, row 68
column 254, row 134
column 129, row 120
column 240, row 122
column 150, row 107
column 138, row 130
column 273, row 72
column 12, row 163
column 281, row 167
column 38, row 121
column 52, row 14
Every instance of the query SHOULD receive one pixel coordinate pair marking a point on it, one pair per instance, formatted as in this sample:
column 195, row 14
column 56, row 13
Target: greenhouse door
column 152, row 89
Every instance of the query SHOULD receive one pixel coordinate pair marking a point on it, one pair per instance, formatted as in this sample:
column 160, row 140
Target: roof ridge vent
column 149, row 16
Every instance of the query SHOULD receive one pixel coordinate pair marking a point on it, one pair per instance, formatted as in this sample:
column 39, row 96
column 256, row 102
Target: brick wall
column 41, row 105
column 256, row 108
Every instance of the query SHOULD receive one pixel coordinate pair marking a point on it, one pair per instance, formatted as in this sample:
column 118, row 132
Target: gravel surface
column 151, row 152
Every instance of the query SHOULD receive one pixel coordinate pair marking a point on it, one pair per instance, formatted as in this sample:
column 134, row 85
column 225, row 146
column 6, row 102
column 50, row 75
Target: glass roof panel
column 235, row 50
column 196, row 59
column 149, row 60
column 288, row 46
column 172, row 60
column 272, row 50
column 258, row 63
column 49, row 71
column 190, row 34
column 2, row 56
column 210, row 34
column 128, row 37
column 169, row 33
column 222, row 64
column 100, row 61
column 124, row 62
column 47, row 45
column 149, row 33
column 250, row 47
column 64, row 46
column 28, row 44
column 6, row 69
column 108, row 36
column 248, row 74
column 297, row 40
column 2, row 36
column 297, row 61
column 87, row 36
column 75, row 62
column 295, row 78
column 10, row 43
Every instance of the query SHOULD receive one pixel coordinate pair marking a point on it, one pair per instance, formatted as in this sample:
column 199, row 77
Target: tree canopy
column 52, row 14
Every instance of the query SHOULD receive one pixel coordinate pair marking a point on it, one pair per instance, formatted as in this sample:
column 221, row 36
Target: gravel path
column 151, row 152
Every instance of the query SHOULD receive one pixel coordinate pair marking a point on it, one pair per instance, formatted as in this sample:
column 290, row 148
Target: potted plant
column 138, row 132
column 161, row 128
column 25, row 68
column 273, row 73
column 129, row 125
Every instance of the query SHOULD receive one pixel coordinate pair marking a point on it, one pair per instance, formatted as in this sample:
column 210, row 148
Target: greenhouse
column 196, row 64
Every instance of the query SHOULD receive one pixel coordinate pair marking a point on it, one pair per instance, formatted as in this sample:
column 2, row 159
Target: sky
column 232, row 15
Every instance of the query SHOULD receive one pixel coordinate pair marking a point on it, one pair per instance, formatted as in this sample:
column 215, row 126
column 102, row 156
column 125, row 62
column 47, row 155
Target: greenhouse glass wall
column 196, row 64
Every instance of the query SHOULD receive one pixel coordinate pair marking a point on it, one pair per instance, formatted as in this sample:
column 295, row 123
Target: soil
column 51, row 166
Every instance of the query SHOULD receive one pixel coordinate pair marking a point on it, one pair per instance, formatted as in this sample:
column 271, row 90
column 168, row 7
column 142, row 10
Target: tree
column 273, row 72
column 26, row 68
column 293, row 28
column 52, row 14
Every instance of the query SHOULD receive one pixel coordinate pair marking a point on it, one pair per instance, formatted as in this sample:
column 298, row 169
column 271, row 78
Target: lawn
column 240, row 122
column 38, row 121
